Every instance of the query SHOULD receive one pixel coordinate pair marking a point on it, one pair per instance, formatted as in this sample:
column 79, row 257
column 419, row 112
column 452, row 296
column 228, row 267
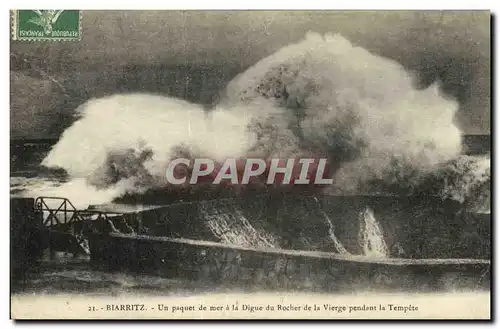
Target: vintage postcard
column 170, row 164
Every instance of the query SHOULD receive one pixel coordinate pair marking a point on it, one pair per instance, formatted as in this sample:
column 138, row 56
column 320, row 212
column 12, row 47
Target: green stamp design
column 46, row 25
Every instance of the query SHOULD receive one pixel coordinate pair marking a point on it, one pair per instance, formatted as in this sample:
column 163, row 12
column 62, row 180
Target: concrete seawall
column 152, row 247
column 276, row 269
column 422, row 227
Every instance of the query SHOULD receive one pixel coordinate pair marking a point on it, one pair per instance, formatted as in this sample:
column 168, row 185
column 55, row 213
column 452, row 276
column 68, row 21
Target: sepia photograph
column 250, row 164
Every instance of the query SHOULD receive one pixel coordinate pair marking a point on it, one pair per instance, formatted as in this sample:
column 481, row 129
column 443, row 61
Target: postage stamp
column 46, row 25
column 250, row 165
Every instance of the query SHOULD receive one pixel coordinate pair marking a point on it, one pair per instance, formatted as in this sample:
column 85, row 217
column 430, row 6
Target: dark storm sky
column 451, row 46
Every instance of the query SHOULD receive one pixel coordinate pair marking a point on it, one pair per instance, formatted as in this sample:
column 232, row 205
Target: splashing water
column 78, row 191
column 322, row 95
column 336, row 242
column 371, row 236
column 467, row 180
column 232, row 227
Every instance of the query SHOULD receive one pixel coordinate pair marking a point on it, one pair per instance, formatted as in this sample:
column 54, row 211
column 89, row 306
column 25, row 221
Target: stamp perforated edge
column 14, row 18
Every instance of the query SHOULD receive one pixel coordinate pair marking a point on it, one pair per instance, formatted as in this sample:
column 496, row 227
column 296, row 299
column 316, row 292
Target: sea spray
column 78, row 191
column 361, row 109
column 468, row 181
column 321, row 97
column 231, row 226
column 134, row 122
column 331, row 232
column 371, row 236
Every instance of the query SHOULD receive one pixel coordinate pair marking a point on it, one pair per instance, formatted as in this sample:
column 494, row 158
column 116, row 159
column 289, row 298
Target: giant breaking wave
column 321, row 97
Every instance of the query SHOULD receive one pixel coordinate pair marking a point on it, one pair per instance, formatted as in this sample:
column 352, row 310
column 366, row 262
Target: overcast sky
column 452, row 46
